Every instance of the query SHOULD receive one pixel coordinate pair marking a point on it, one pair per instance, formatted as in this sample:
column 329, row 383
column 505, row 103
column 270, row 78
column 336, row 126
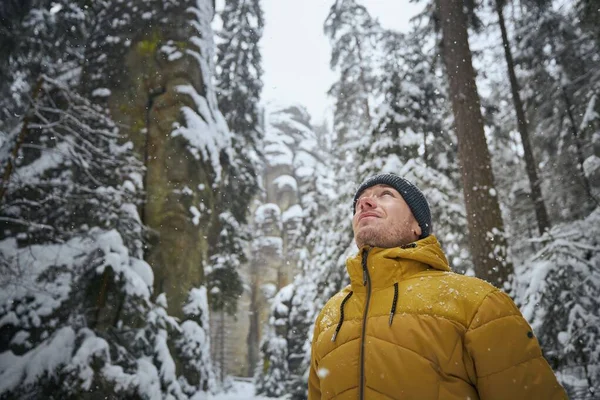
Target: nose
column 366, row 202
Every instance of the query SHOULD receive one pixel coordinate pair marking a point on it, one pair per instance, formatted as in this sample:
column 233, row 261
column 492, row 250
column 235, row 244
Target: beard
column 384, row 237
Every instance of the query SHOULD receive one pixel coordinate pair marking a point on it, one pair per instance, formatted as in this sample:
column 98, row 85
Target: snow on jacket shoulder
column 408, row 328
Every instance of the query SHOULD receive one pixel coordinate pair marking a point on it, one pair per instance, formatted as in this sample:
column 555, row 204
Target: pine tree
column 353, row 34
column 561, row 83
column 62, row 175
column 239, row 74
column 38, row 37
column 222, row 274
column 272, row 382
column 559, row 288
column 239, row 83
column 409, row 139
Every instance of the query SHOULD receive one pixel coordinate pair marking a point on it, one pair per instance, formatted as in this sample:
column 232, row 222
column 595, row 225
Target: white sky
column 296, row 53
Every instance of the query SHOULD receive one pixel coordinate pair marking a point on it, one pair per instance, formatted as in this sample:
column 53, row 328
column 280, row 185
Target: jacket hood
column 389, row 265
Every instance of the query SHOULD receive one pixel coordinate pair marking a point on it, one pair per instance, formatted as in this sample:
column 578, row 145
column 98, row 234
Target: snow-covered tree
column 409, row 137
column 560, row 80
column 38, row 38
column 222, row 272
column 273, row 378
column 65, row 172
column 559, row 289
column 76, row 310
column 239, row 84
column 353, row 34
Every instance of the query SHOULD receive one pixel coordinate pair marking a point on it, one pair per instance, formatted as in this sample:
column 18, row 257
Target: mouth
column 367, row 215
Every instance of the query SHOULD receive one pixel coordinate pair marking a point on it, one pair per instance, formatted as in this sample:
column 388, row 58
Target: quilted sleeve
column 506, row 356
column 314, row 386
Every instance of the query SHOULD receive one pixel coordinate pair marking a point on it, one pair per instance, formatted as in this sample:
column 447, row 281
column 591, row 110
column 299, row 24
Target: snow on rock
column 205, row 130
column 292, row 213
column 278, row 154
column 267, row 212
column 270, row 242
column 304, row 164
column 283, row 182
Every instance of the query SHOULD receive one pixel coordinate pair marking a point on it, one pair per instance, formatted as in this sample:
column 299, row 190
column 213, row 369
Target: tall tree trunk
column 534, row 182
column 486, row 230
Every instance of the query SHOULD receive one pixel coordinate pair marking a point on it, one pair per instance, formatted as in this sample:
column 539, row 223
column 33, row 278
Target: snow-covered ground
column 240, row 390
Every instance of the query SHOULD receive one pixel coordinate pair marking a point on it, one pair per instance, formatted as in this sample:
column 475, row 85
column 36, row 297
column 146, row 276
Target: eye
column 387, row 192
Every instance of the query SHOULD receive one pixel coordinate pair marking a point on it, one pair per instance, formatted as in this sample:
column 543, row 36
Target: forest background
column 162, row 230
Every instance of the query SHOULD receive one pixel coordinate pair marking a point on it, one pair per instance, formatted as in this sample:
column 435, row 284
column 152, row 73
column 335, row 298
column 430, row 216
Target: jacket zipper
column 367, row 283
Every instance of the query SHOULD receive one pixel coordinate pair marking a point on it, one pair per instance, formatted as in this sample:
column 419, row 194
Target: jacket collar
column 389, row 265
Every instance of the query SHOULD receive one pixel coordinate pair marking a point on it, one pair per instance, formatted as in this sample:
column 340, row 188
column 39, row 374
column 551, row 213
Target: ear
column 416, row 229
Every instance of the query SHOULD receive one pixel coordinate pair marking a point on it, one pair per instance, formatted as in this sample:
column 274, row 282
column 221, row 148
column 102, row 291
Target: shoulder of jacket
column 495, row 305
column 474, row 288
column 467, row 293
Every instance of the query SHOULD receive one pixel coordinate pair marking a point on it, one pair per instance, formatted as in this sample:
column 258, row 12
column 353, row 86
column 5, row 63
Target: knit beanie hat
column 410, row 193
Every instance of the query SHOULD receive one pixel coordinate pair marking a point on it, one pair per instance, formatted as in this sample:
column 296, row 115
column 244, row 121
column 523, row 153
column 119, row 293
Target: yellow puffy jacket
column 408, row 328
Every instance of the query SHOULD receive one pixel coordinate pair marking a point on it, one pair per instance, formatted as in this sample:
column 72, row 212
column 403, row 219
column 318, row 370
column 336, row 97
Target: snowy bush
column 77, row 317
column 559, row 289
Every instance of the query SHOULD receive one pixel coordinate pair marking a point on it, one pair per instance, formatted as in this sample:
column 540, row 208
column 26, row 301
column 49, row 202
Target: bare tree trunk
column 530, row 165
column 486, row 230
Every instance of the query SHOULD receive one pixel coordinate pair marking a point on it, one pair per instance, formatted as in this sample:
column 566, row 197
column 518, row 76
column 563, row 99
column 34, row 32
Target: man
column 408, row 328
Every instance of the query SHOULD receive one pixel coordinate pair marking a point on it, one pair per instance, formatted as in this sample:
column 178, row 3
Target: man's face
column 383, row 219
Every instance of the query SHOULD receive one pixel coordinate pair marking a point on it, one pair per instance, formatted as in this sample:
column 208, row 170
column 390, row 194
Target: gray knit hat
column 410, row 193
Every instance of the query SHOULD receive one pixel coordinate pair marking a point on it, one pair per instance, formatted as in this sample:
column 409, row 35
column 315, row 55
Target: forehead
column 376, row 189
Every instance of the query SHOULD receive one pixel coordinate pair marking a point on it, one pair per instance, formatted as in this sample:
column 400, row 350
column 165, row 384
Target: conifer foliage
column 239, row 84
column 79, row 312
column 558, row 288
